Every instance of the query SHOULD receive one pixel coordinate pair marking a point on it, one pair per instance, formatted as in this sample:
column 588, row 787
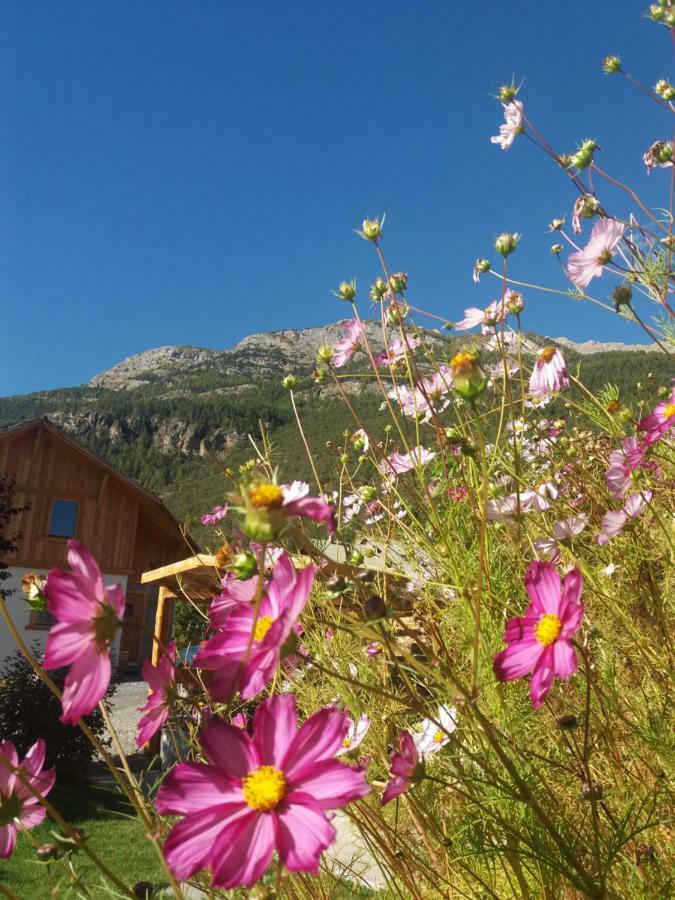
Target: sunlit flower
column 480, row 267
column 436, row 732
column 658, row 422
column 349, row 343
column 659, row 154
column 161, row 680
column 406, row 767
column 513, row 125
column 373, row 649
column 491, row 315
column 246, row 653
column 397, row 351
column 589, row 263
column 259, row 793
column 19, row 807
column 540, row 642
column 269, row 506
column 549, row 373
column 622, row 464
column 398, row 463
column 216, row 514
column 89, row 615
column 562, row 531
column 614, row 521
column 355, row 735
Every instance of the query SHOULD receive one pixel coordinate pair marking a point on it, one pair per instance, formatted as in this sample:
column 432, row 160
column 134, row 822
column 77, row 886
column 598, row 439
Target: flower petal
column 274, row 727
column 7, row 840
column 564, row 659
column 319, row 738
column 243, row 850
column 303, row 833
column 86, row 684
column 230, row 748
column 189, row 845
column 67, row 641
column 517, row 659
column 542, row 583
column 330, row 784
column 194, row 787
column 542, row 678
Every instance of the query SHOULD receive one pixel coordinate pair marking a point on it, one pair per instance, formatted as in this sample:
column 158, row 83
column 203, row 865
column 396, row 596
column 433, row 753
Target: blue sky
column 192, row 172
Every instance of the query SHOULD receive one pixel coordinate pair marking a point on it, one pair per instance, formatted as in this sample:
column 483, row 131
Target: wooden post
column 162, row 620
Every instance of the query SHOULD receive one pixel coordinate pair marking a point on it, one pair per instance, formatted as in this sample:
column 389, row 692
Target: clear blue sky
column 192, row 172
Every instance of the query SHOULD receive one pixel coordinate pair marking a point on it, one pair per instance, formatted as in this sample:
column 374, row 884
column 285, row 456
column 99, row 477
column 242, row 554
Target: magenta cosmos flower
column 215, row 516
column 18, row 806
column 588, row 263
column 549, row 373
column 89, row 615
column 513, row 125
column 406, row 767
column 259, row 793
column 246, row 652
column 658, row 422
column 268, row 507
column 349, row 343
column 540, row 641
column 161, row 680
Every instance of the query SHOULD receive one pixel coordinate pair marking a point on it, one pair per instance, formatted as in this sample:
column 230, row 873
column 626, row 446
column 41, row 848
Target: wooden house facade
column 70, row 492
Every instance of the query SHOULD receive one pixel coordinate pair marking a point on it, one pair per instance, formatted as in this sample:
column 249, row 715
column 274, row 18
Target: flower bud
column 507, row 242
column 368, row 493
column 319, row 375
column 468, row 378
column 346, row 290
column 289, row 382
column 508, row 92
column 243, row 565
column 568, row 723
column 657, row 12
column 591, row 790
column 557, row 249
column 378, row 289
column 514, row 302
column 665, row 89
column 374, row 608
column 47, row 852
column 584, row 155
column 622, row 295
column 659, row 154
column 556, row 224
column 365, row 576
column 611, row 64
column 398, row 282
column 371, row 229
column 324, row 353
column 336, row 584
column 143, row 890
column 480, row 267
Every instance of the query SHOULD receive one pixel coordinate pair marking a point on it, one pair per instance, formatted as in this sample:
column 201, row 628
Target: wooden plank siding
column 127, row 529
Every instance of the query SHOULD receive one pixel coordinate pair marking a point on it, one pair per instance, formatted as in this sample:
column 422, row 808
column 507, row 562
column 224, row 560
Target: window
column 63, row 518
column 41, row 620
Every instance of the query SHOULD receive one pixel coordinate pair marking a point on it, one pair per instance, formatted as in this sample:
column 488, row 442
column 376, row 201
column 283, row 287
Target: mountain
column 149, row 414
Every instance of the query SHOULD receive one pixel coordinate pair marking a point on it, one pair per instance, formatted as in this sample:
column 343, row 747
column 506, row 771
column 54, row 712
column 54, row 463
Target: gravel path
column 124, row 711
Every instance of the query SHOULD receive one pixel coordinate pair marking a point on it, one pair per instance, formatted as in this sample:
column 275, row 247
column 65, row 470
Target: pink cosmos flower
column 490, row 316
column 296, row 502
column 246, row 653
column 540, row 641
column 513, row 125
column 406, row 767
column 614, row 521
column 259, row 793
column 622, row 464
column 658, row 422
column 216, row 514
column 162, row 682
column 349, row 344
column 89, row 615
column 562, row 531
column 373, row 649
column 18, row 806
column 396, row 351
column 549, row 373
column 588, row 263
column 398, row 463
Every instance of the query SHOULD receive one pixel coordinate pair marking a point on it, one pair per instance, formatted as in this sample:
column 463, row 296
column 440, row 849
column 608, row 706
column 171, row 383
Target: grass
column 111, row 833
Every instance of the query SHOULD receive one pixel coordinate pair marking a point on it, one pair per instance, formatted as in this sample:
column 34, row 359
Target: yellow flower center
column 262, row 626
column 548, row 628
column 547, row 354
column 439, row 737
column 347, row 742
column 264, row 788
column 669, row 411
column 463, row 360
column 269, row 496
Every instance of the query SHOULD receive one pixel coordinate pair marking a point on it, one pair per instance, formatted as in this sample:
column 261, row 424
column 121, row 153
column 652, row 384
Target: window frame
column 63, row 537
column 35, row 625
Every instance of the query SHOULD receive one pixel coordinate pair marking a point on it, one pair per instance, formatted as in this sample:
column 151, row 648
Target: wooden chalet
column 70, row 492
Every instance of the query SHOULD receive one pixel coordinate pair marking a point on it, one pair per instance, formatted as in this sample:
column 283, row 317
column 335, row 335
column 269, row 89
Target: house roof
column 151, row 501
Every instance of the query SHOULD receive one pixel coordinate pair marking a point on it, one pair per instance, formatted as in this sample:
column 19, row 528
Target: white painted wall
column 20, row 611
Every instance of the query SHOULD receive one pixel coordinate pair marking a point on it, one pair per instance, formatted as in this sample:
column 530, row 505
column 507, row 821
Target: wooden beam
column 183, row 565
column 162, row 620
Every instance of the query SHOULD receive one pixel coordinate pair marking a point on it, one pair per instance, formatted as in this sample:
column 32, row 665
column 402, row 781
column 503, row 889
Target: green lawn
column 117, row 839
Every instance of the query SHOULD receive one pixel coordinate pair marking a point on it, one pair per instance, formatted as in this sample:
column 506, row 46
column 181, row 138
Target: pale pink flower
column 589, row 263
column 19, row 807
column 259, row 793
column 541, row 641
column 658, row 422
column 297, row 502
column 89, row 615
column 355, row 735
column 513, row 125
column 436, row 732
column 490, row 316
column 406, row 767
column 397, row 350
column 246, row 653
column 549, row 373
column 613, row 522
column 622, row 464
column 216, row 514
column 161, row 680
column 398, row 463
column 373, row 649
column 349, row 343
column 562, row 531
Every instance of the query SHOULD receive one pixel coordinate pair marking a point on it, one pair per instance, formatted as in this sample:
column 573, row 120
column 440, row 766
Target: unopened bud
column 143, row 890
column 583, row 157
column 243, row 565
column 665, row 89
column 568, row 723
column 346, row 290
column 289, row 382
column 356, row 559
column 591, row 790
column 514, row 302
column 480, row 267
column 319, row 375
column 47, row 852
column 468, row 378
column 374, row 608
column 611, row 64
column 398, row 282
column 622, row 295
column 657, row 12
column 336, row 584
column 368, row 493
column 557, row 249
column 507, row 242
column 371, row 230
column 378, row 290
column 507, row 93
column 556, row 224
column 262, row 892
column 324, row 353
